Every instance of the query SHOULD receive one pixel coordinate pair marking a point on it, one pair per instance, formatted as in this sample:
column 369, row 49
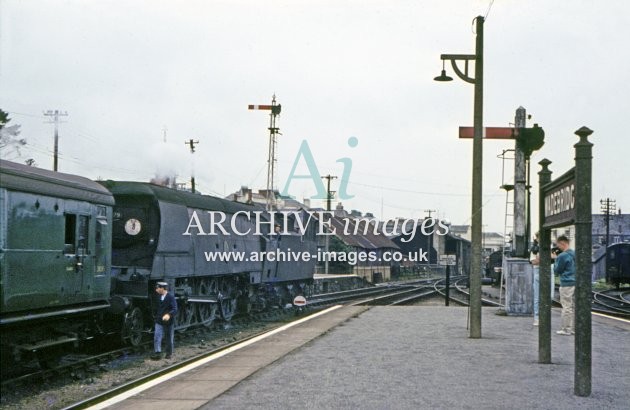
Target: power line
column 488, row 11
column 24, row 114
column 414, row 192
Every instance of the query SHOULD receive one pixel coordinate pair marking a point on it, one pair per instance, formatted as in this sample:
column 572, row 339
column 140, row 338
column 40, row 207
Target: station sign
column 448, row 260
column 559, row 197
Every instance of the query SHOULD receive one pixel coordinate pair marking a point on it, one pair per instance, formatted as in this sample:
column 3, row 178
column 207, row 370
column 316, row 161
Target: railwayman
column 164, row 314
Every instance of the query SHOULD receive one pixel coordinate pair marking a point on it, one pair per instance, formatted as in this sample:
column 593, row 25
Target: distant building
column 461, row 230
column 351, row 236
column 490, row 241
column 283, row 203
column 435, row 245
column 619, row 228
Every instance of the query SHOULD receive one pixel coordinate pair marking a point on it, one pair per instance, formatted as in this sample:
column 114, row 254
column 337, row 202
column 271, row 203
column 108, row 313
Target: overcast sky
column 125, row 70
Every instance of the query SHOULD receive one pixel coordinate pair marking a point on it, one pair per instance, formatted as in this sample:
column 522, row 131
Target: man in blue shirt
column 564, row 266
column 165, row 311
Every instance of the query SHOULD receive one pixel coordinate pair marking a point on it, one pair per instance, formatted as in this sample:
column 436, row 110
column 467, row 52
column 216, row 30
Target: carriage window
column 70, row 237
column 98, row 235
column 76, row 236
column 82, row 243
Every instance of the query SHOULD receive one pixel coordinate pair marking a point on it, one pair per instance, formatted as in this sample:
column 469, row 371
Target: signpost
column 448, row 261
column 567, row 201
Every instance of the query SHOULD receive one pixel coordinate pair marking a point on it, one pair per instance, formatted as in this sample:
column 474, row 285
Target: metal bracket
column 453, row 58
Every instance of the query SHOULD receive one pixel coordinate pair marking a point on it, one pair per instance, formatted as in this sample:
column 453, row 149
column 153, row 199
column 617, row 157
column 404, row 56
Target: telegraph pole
column 608, row 207
column 329, row 195
column 55, row 120
column 191, row 143
column 430, row 211
column 329, row 192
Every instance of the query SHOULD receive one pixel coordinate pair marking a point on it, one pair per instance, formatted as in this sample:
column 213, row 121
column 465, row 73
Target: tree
column 10, row 143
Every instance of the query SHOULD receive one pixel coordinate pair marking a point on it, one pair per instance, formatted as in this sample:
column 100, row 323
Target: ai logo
column 314, row 175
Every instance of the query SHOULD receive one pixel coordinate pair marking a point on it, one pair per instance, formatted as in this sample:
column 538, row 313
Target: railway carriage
column 55, row 235
column 618, row 264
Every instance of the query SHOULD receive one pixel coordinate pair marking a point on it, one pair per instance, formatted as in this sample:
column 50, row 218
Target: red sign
column 299, row 301
column 495, row 133
column 259, row 107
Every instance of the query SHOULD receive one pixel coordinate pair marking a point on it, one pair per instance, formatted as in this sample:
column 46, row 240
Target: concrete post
column 583, row 245
column 544, row 281
column 477, row 203
column 520, row 182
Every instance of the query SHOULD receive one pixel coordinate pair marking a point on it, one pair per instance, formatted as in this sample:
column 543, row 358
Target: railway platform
column 415, row 357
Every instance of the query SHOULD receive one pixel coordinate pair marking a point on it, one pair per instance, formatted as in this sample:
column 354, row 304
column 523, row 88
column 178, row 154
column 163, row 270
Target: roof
column 23, row 178
column 178, row 197
column 619, row 224
column 492, row 235
column 363, row 240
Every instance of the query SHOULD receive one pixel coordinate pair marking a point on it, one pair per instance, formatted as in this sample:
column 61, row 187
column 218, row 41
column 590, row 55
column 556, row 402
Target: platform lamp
column 476, row 220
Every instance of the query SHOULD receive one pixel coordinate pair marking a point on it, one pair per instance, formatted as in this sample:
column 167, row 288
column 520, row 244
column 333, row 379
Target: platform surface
column 199, row 386
column 421, row 358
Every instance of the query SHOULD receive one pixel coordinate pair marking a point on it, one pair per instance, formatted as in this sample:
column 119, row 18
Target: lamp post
column 476, row 220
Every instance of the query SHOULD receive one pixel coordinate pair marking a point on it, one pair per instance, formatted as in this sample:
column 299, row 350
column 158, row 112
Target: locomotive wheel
column 185, row 315
column 228, row 308
column 227, row 299
column 132, row 331
column 49, row 359
column 207, row 312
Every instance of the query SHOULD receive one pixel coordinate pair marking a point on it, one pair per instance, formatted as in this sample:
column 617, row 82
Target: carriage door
column 76, row 252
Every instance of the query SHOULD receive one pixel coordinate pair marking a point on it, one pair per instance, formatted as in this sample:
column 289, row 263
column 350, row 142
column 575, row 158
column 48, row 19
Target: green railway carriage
column 55, row 252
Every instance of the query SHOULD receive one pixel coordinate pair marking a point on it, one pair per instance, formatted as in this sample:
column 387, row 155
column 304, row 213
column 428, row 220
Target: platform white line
column 200, row 362
column 610, row 317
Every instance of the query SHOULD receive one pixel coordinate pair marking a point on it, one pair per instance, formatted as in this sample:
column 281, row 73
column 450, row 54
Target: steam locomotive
column 80, row 258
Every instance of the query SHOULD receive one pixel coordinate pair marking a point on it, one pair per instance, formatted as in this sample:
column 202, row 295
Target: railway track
column 461, row 296
column 612, row 302
column 75, row 365
column 91, row 401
